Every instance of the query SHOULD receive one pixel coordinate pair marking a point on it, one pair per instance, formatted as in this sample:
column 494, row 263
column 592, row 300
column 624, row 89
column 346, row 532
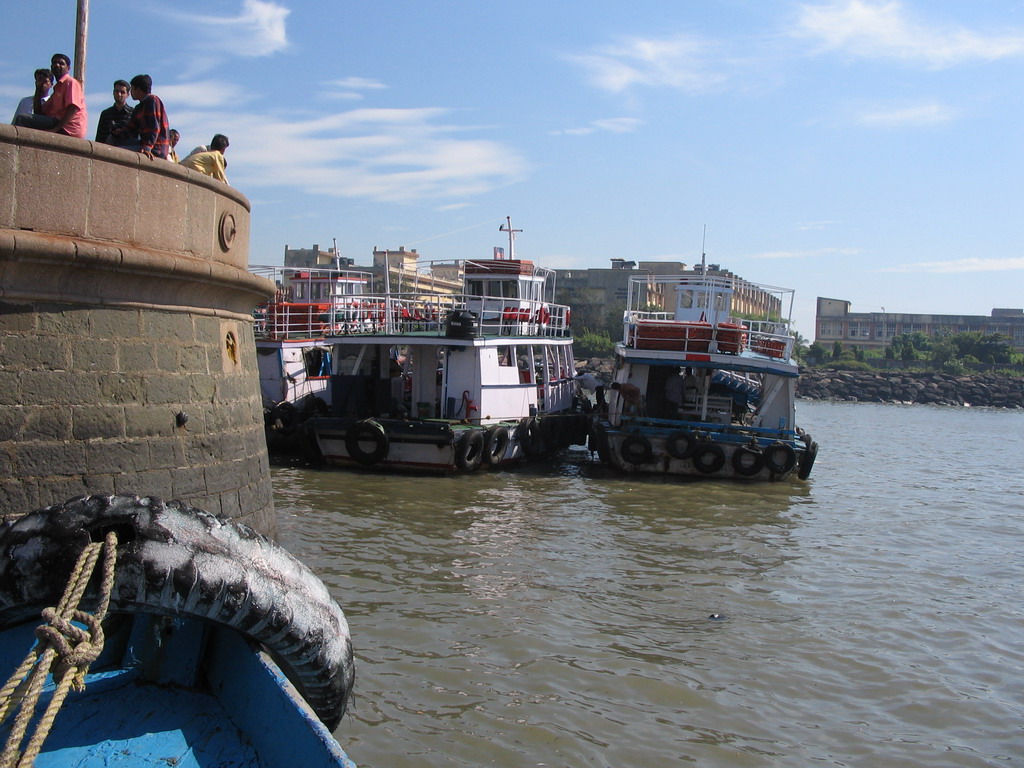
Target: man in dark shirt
column 116, row 116
column 148, row 131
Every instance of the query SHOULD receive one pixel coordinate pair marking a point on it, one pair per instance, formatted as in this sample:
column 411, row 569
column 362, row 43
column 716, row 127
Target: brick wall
column 127, row 362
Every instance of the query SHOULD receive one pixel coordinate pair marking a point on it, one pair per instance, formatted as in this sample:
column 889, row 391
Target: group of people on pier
column 143, row 128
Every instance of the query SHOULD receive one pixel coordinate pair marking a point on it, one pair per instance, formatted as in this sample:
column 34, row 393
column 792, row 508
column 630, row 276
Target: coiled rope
column 64, row 650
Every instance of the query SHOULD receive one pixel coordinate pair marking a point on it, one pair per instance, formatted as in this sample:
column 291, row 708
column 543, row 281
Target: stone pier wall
column 924, row 387
column 127, row 361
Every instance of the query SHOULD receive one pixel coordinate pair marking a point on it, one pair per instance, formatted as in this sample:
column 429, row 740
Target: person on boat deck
column 64, row 112
column 173, row 137
column 673, row 394
column 147, row 130
column 632, row 400
column 211, row 162
column 587, row 382
column 116, row 115
column 44, row 80
column 691, row 387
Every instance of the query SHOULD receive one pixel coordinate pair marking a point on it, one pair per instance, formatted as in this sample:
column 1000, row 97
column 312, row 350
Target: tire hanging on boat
column 469, row 450
column 178, row 561
column 681, row 444
column 747, row 461
column 534, row 444
column 780, row 458
column 807, row 460
column 636, row 449
column 709, row 458
column 366, row 431
column 496, row 444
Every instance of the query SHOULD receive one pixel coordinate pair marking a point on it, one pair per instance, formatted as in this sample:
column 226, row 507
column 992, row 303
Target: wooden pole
column 81, row 40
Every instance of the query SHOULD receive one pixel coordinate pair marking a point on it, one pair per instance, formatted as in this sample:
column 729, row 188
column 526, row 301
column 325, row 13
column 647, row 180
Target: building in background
column 875, row 330
column 598, row 296
column 314, row 258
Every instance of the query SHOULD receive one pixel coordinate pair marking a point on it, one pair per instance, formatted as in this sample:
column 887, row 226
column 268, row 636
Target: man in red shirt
column 64, row 112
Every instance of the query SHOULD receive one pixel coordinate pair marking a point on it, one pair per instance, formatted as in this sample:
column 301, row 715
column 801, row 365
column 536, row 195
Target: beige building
column 874, row 330
column 608, row 287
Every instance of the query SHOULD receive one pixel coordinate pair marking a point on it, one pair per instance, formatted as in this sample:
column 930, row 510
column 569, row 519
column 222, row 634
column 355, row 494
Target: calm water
column 561, row 615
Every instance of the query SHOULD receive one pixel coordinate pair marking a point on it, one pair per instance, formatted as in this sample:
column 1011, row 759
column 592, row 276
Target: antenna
column 507, row 227
column 703, row 255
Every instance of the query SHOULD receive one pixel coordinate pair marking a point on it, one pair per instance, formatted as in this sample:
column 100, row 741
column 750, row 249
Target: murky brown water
column 560, row 615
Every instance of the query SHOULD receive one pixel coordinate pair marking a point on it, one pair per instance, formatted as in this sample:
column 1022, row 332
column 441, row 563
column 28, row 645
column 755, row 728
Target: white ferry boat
column 454, row 365
column 699, row 392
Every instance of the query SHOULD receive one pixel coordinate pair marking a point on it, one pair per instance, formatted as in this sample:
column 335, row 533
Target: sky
column 865, row 150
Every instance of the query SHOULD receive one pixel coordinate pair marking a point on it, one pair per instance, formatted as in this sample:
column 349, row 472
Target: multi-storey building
column 312, row 258
column 874, row 330
column 608, row 287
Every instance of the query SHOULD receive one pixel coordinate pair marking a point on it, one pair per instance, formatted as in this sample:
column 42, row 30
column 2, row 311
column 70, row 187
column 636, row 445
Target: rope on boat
column 64, row 650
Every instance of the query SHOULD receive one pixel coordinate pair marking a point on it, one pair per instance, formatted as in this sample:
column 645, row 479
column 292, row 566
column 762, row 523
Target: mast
column 703, row 255
column 81, row 40
column 507, row 227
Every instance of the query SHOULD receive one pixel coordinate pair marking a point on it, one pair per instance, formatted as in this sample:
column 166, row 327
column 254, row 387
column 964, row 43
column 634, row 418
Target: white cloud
column 258, row 30
column 924, row 114
column 376, row 154
column 961, row 265
column 886, row 30
column 609, row 125
column 357, row 84
column 678, row 62
column 198, row 94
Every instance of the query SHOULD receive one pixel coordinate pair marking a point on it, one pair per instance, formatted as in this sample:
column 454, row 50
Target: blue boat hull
column 171, row 692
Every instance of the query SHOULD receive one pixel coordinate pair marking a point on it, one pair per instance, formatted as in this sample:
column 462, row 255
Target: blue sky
column 857, row 149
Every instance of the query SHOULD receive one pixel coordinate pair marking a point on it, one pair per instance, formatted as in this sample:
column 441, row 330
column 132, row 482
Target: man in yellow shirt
column 210, row 161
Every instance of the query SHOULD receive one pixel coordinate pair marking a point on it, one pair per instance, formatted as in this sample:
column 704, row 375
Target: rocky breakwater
column 925, row 387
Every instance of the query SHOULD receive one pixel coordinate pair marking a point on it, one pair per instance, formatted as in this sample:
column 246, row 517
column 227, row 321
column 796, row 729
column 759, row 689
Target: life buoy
column 636, row 449
column 709, row 458
column 681, row 445
column 496, row 444
column 747, row 461
column 543, row 314
column 366, row 431
column 174, row 560
column 780, row 458
column 469, row 450
column 807, row 460
column 568, row 318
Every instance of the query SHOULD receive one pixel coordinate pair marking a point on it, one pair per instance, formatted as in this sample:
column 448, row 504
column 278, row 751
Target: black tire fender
column 779, row 457
column 681, row 444
column 709, row 458
column 496, row 444
column 469, row 450
column 369, row 431
column 807, row 460
column 636, row 449
column 747, row 461
column 175, row 560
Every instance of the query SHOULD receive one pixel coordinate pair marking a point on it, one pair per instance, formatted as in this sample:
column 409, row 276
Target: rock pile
column 987, row 389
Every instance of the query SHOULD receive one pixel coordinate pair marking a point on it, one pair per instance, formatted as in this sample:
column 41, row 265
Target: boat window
column 686, row 299
column 317, row 361
column 524, row 361
column 476, row 288
column 505, row 357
